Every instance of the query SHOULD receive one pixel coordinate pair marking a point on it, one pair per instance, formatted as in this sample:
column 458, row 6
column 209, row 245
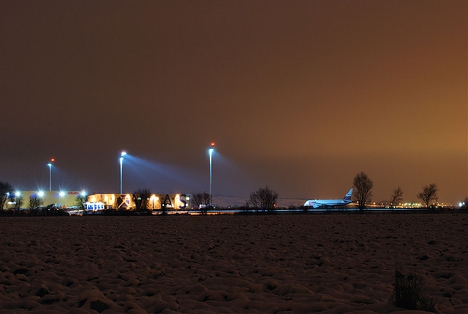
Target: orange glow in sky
column 300, row 95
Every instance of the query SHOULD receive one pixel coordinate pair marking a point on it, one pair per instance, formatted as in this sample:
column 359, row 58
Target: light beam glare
column 160, row 178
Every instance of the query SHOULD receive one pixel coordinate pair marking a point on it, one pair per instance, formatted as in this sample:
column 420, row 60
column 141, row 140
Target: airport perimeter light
column 50, row 173
column 122, row 154
column 210, row 151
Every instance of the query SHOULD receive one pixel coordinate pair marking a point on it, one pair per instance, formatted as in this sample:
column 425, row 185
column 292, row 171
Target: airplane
column 330, row 203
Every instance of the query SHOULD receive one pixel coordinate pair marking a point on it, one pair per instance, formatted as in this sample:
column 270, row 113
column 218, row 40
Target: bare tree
column 428, row 194
column 396, row 197
column 362, row 189
column 200, row 199
column 5, row 191
column 206, row 198
column 141, row 199
column 264, row 198
column 197, row 200
column 18, row 202
column 35, row 202
column 80, row 201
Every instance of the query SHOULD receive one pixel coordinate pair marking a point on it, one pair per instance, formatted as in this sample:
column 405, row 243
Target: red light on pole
column 212, row 144
column 52, row 159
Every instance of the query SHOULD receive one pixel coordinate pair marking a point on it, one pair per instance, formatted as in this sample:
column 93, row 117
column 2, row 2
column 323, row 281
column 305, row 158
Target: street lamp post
column 210, row 150
column 50, row 173
column 123, row 153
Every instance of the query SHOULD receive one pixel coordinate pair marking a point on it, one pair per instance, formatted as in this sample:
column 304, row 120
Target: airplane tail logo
column 347, row 197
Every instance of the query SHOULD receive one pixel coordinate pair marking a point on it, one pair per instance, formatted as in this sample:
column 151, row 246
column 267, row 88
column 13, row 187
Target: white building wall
column 61, row 199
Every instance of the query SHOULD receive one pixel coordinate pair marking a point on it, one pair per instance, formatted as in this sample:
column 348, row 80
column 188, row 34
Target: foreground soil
column 331, row 263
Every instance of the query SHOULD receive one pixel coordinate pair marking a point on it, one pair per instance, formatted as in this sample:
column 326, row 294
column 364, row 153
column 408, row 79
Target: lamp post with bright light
column 123, row 153
column 50, row 173
column 210, row 151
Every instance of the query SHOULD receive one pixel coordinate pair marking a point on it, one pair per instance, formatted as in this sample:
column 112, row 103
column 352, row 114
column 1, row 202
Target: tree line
column 7, row 194
column 265, row 198
column 363, row 192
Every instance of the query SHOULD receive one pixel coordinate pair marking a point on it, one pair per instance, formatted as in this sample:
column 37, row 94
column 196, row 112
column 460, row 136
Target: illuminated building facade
column 126, row 202
column 60, row 199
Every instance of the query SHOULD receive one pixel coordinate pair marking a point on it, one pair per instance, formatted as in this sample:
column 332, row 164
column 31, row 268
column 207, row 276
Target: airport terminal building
column 98, row 202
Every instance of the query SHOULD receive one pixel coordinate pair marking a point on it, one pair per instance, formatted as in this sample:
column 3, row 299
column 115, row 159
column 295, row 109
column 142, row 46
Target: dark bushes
column 407, row 293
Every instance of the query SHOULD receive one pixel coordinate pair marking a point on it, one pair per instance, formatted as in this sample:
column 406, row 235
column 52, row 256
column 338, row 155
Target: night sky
column 298, row 95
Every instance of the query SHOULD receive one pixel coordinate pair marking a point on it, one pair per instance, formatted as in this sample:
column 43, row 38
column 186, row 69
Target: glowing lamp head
column 40, row 194
column 123, row 153
column 62, row 193
column 212, row 146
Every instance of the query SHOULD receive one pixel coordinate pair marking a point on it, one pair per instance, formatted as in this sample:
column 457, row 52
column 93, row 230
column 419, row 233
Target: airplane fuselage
column 325, row 203
column 330, row 203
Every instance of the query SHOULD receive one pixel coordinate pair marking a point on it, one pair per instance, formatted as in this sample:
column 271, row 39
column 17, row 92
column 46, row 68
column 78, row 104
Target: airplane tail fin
column 348, row 196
